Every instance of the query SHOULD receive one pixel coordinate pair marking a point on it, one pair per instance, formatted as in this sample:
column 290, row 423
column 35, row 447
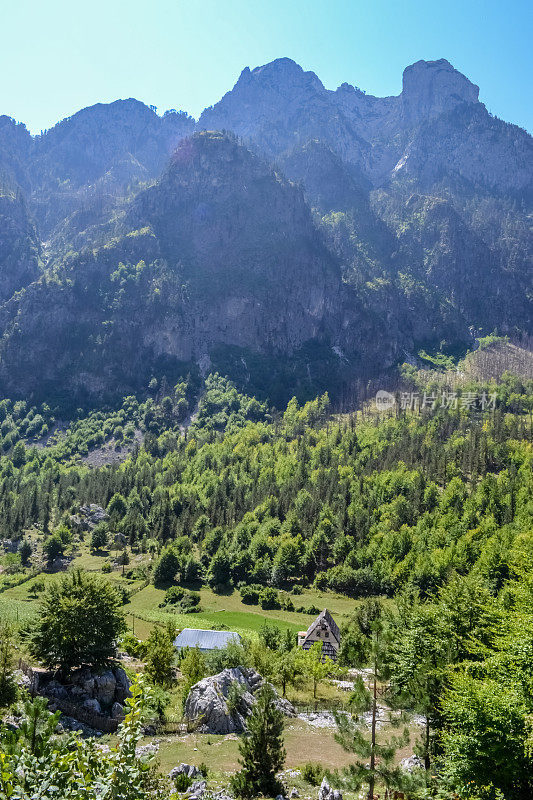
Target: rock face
column 431, row 88
column 100, row 692
column 19, row 247
column 89, row 517
column 245, row 273
column 325, row 792
column 221, row 703
column 409, row 226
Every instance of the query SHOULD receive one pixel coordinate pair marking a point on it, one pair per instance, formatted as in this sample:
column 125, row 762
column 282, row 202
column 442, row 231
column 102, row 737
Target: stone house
column 323, row 629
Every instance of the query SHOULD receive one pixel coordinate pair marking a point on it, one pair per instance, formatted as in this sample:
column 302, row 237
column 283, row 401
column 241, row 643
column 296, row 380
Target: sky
column 57, row 56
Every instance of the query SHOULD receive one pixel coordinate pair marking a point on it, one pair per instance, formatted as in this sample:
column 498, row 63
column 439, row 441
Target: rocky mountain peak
column 272, row 91
column 283, row 73
column 432, row 87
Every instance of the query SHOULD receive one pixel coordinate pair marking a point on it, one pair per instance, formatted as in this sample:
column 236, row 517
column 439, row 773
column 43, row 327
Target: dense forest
column 429, row 509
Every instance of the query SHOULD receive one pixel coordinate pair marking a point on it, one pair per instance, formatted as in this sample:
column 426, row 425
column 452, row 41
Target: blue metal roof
column 205, row 640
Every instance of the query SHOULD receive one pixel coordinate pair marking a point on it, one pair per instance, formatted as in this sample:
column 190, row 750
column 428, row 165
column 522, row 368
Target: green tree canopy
column 79, row 622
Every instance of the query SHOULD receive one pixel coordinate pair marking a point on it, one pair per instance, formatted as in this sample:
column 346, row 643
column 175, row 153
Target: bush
column 173, row 596
column 250, row 595
column 133, row 646
column 312, row 773
column 190, row 602
column 186, row 601
column 269, row 598
column 182, row 782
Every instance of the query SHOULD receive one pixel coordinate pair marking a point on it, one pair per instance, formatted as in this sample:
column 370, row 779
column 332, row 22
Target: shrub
column 186, row 601
column 133, row 646
column 250, row 595
column 269, row 598
column 182, row 782
column 312, row 773
column 173, row 596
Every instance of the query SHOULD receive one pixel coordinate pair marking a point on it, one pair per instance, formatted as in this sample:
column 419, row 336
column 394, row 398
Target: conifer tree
column 8, row 687
column 375, row 757
column 261, row 749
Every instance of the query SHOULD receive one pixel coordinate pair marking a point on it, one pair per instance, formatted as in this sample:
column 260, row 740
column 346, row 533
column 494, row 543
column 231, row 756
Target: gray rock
column 122, row 684
column 207, row 703
column 76, row 693
column 196, row 790
column 117, row 711
column 411, row 763
column 57, row 690
column 90, row 516
column 105, row 686
column 325, row 792
column 92, row 704
column 185, row 769
column 294, row 793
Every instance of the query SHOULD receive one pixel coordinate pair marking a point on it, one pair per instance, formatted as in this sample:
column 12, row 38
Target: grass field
column 230, row 611
column 143, row 611
column 302, row 743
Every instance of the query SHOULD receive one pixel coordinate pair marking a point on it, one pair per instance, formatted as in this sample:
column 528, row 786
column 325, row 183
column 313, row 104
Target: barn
column 205, row 640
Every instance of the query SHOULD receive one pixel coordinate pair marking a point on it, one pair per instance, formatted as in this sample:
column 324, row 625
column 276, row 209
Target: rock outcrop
column 89, row 517
column 101, row 692
column 185, row 769
column 325, row 792
column 221, row 703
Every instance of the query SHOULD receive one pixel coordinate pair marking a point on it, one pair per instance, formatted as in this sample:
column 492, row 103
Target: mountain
column 219, row 255
column 279, row 106
column 296, row 238
column 19, row 247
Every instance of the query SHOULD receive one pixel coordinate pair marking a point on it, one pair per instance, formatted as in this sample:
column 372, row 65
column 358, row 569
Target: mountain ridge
column 419, row 203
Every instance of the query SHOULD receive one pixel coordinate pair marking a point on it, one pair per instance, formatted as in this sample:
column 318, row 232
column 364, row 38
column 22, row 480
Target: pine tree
column 8, row 687
column 261, row 749
column 160, row 657
column 376, row 757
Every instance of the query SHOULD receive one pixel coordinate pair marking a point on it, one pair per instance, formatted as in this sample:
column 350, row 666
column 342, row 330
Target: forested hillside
column 268, row 375
column 429, row 509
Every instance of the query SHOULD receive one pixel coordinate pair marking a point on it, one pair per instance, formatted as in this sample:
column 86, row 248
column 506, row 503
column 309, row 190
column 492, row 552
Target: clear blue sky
column 57, row 56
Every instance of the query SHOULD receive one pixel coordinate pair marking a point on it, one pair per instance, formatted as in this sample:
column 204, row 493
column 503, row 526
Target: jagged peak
column 437, row 79
column 280, row 72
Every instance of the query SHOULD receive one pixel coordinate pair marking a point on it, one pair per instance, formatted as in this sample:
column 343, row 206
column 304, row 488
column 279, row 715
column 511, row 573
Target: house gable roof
column 325, row 617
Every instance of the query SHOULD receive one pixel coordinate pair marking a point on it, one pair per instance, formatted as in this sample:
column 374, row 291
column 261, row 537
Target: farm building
column 323, row 629
column 205, row 640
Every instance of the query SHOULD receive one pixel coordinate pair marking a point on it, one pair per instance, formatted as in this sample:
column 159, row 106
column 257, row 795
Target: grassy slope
column 217, row 609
